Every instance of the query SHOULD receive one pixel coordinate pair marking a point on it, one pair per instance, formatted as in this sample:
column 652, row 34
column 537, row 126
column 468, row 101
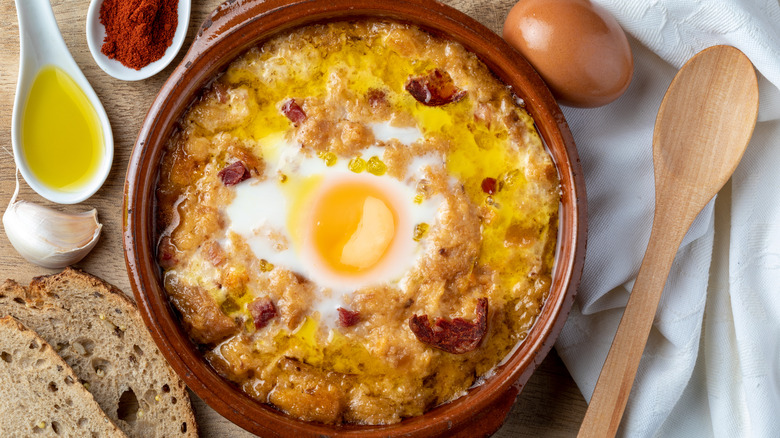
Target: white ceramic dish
column 41, row 45
column 96, row 33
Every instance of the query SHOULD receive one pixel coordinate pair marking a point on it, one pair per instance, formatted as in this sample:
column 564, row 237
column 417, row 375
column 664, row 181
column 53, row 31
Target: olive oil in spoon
column 61, row 133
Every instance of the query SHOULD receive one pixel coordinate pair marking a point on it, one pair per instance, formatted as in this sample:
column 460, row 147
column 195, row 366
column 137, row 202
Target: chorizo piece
column 262, row 310
column 348, row 318
column 455, row 336
column 234, row 174
column 434, row 89
column 293, row 111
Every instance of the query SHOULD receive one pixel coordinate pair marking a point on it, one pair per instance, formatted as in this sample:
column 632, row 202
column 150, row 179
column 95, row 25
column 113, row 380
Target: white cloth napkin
column 712, row 362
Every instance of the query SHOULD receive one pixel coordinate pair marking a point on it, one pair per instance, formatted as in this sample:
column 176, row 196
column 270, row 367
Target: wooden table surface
column 550, row 405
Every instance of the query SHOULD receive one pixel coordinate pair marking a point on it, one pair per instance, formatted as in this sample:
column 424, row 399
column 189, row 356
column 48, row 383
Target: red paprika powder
column 138, row 32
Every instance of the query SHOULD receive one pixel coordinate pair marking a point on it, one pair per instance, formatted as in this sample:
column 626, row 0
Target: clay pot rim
column 233, row 28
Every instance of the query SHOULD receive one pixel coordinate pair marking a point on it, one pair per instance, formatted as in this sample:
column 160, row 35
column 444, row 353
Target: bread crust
column 40, row 386
column 99, row 332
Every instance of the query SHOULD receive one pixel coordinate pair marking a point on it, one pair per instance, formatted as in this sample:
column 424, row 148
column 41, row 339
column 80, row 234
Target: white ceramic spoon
column 41, row 45
column 96, row 33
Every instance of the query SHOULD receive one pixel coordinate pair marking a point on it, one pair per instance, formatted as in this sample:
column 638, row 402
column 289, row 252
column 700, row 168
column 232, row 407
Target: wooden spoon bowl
column 233, row 28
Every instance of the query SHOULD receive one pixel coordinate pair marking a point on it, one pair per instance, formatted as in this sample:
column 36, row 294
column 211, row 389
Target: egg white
column 264, row 211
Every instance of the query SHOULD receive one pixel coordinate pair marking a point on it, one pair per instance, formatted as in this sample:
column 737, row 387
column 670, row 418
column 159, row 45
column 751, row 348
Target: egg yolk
column 353, row 226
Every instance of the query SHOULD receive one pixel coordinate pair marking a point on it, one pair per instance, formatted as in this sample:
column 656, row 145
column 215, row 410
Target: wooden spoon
column 703, row 127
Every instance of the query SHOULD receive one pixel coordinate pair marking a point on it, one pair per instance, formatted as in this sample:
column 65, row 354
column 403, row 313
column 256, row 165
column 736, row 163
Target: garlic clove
column 48, row 237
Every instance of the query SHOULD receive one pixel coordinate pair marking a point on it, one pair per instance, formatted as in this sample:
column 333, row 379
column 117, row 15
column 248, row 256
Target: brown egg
column 576, row 46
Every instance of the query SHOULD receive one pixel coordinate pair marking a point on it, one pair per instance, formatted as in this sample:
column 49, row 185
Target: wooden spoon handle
column 617, row 376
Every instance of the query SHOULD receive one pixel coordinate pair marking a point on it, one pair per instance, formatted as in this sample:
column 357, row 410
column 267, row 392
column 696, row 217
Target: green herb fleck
column 376, row 166
column 329, row 158
column 266, row 266
column 419, row 231
column 357, row 165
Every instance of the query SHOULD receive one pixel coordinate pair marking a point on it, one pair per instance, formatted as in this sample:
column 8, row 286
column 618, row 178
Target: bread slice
column 40, row 394
column 98, row 331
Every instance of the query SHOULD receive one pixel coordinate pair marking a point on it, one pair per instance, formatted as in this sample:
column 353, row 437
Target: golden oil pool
column 61, row 132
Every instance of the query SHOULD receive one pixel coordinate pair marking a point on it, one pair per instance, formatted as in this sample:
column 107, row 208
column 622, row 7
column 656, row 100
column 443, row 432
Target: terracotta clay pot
column 236, row 26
